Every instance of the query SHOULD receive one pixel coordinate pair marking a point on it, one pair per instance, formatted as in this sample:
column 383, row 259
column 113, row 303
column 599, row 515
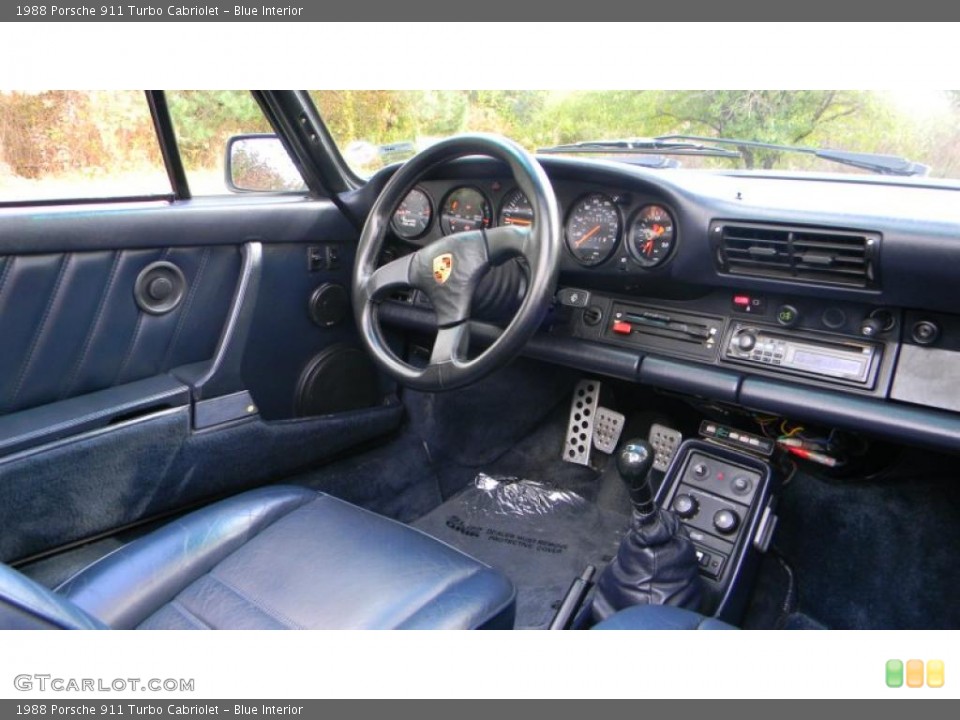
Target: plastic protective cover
column 506, row 495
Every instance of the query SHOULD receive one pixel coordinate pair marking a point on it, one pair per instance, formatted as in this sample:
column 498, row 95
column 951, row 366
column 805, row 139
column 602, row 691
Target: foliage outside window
column 72, row 144
column 376, row 127
column 205, row 120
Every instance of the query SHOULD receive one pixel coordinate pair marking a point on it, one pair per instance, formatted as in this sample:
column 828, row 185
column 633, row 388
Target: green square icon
column 894, row 673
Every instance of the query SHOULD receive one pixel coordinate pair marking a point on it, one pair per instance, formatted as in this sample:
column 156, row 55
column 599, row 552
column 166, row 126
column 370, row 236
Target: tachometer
column 652, row 236
column 413, row 215
column 593, row 229
column 516, row 209
column 464, row 209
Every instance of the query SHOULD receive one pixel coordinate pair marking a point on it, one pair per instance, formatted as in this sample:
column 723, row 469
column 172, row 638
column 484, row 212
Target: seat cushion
column 660, row 617
column 288, row 557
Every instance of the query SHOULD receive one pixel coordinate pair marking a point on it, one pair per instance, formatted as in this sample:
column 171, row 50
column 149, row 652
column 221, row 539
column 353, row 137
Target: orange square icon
column 914, row 673
column 935, row 673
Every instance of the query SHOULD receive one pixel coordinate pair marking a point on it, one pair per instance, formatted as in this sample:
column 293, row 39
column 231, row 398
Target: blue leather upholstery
column 286, row 557
column 660, row 617
column 70, row 324
column 25, row 605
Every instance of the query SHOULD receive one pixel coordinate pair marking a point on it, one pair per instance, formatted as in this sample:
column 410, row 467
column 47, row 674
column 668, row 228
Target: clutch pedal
column 583, row 414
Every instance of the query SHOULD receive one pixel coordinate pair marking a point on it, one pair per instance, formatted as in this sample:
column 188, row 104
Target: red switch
column 622, row 328
column 741, row 300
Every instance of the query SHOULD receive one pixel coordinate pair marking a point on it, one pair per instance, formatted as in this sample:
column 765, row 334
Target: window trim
column 167, row 139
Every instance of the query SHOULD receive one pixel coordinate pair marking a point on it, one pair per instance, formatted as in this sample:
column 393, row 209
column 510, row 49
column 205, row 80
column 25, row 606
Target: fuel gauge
column 652, row 236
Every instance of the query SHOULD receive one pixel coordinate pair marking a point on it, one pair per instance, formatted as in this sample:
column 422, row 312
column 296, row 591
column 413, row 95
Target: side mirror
column 260, row 163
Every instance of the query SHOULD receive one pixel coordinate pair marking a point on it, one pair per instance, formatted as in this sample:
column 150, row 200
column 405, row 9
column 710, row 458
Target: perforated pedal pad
column 606, row 429
column 665, row 442
column 583, row 412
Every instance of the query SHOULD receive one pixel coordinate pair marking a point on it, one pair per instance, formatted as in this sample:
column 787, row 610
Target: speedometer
column 593, row 229
column 464, row 209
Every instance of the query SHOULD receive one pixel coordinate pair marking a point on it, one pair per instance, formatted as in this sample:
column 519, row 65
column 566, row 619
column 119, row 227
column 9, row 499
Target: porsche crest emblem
column 442, row 267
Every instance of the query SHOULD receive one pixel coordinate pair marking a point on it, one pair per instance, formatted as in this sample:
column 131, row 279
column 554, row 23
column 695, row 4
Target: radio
column 846, row 361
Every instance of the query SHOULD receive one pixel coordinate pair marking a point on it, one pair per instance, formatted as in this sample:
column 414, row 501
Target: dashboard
column 826, row 298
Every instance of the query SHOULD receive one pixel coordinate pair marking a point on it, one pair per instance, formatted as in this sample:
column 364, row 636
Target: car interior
column 482, row 389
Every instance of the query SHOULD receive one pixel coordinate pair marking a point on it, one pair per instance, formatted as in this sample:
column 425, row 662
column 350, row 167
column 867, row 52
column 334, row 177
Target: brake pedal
column 665, row 442
column 607, row 429
column 583, row 414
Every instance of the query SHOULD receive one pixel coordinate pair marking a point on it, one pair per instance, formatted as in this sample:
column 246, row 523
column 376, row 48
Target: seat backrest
column 26, row 605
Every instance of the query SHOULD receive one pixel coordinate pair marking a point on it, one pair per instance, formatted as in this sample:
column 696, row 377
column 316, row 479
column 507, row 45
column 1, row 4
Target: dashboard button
column 925, row 332
column 788, row 315
column 622, row 328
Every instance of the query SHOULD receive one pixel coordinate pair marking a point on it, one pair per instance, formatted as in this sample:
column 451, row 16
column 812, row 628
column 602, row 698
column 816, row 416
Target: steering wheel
column 448, row 270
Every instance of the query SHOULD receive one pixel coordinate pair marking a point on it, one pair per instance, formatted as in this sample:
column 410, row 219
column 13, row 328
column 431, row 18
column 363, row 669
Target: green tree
column 773, row 116
column 206, row 118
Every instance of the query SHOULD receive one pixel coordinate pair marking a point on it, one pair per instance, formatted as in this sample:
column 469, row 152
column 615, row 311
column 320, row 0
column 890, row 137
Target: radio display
column 827, row 364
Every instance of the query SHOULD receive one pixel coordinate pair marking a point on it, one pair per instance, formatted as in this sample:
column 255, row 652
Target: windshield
column 374, row 128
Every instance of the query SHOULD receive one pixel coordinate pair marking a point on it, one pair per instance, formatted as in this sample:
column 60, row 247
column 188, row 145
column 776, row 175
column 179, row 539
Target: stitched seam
column 186, row 309
column 191, row 617
column 266, row 610
column 41, row 330
column 129, row 353
column 131, row 348
column 94, row 325
column 6, row 271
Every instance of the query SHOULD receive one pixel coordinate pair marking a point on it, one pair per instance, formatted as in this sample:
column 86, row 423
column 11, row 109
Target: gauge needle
column 518, row 221
column 582, row 240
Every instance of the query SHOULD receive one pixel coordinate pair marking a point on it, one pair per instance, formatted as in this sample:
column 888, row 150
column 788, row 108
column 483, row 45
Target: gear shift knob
column 633, row 463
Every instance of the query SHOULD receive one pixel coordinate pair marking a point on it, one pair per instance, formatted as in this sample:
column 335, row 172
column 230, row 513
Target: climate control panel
column 720, row 496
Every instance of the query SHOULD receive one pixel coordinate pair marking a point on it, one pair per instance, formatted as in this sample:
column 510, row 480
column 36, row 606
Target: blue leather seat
column 660, row 617
column 273, row 558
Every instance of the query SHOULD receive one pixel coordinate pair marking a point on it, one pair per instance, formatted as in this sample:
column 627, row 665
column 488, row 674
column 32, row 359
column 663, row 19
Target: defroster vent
column 799, row 254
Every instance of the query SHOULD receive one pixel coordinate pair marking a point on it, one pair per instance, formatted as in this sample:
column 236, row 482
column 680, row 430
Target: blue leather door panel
column 69, row 324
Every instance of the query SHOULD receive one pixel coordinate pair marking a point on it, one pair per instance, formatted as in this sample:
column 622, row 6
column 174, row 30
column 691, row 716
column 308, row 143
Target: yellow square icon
column 914, row 673
column 935, row 673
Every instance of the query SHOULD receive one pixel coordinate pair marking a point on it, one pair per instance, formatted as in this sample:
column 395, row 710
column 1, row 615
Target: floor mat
column 539, row 535
column 873, row 555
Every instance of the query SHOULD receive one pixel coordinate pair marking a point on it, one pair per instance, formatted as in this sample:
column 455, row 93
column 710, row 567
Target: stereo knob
column 686, row 506
column 726, row 521
column 746, row 341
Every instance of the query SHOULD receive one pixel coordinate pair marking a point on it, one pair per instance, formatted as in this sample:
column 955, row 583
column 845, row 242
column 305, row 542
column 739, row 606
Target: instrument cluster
column 596, row 220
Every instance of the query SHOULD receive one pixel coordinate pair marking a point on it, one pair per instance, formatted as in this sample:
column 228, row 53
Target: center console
column 724, row 499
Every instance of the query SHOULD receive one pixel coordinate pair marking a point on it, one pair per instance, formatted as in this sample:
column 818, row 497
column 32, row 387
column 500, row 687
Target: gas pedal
column 665, row 441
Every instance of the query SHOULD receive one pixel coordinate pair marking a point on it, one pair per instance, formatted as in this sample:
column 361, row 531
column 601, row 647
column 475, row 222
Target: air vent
column 807, row 255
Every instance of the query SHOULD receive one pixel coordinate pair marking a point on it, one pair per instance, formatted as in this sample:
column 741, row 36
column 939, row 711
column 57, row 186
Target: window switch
column 323, row 257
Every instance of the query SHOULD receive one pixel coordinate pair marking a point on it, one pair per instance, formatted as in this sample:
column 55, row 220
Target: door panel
column 98, row 398
column 71, row 326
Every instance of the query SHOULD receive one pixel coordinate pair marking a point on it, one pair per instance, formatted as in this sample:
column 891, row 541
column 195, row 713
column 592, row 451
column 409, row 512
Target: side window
column 78, row 145
column 214, row 125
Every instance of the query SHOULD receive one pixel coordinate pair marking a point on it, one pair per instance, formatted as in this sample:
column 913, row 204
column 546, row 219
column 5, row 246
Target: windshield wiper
column 632, row 146
column 712, row 147
column 882, row 164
